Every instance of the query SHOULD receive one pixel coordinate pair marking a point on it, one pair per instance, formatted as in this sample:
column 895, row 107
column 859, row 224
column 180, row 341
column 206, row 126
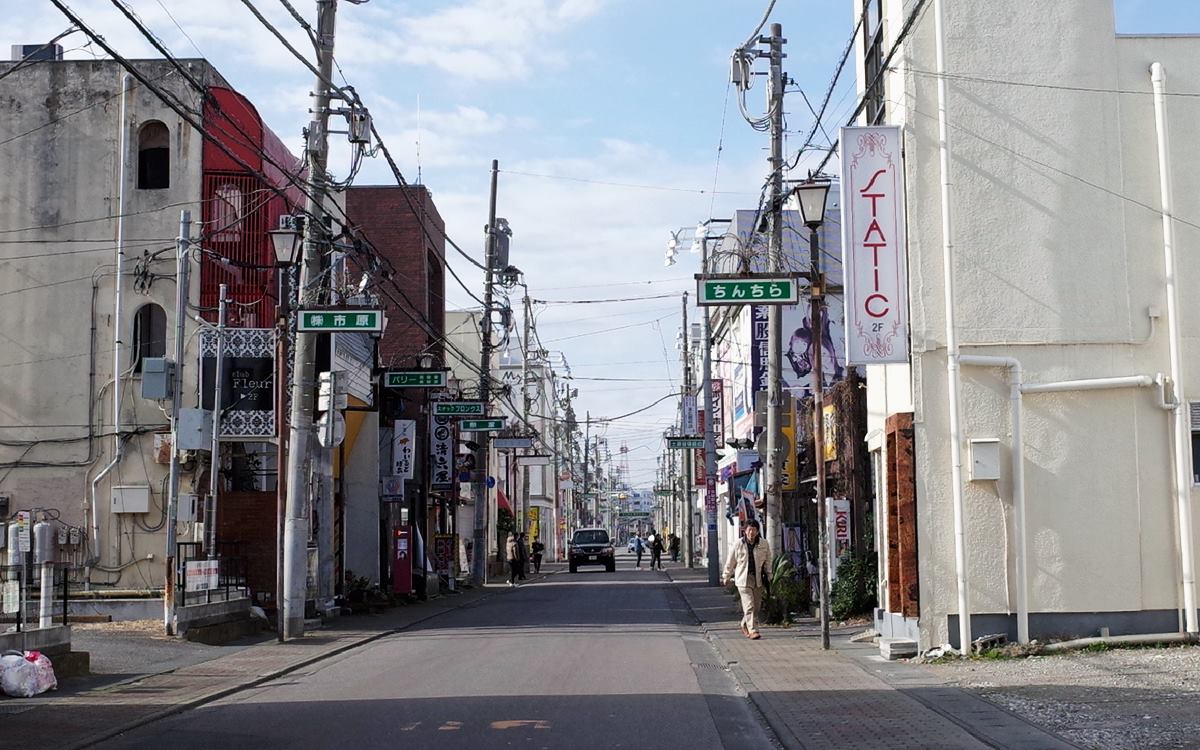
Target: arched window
column 149, row 334
column 227, row 213
column 154, row 156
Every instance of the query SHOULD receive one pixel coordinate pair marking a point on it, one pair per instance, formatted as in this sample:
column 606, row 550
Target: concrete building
column 1057, row 204
column 97, row 171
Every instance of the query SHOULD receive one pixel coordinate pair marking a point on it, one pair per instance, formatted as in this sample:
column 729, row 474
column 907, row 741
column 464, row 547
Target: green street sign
column 682, row 443
column 481, row 425
column 341, row 320
column 458, row 409
column 761, row 289
column 415, row 379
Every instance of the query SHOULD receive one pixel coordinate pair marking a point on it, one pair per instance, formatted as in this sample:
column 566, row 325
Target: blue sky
column 611, row 91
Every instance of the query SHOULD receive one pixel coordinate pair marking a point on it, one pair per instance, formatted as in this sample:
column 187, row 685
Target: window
column 154, row 156
column 149, row 334
column 227, row 213
column 873, row 60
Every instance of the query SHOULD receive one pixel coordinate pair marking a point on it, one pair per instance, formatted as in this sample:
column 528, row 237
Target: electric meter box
column 985, row 459
column 131, row 499
column 157, row 374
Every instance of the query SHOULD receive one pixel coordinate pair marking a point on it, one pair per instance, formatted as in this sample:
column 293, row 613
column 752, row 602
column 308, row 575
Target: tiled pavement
column 848, row 697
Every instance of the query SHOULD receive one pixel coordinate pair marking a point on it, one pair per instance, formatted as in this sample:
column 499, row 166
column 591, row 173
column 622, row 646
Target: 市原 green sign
column 340, row 320
column 751, row 290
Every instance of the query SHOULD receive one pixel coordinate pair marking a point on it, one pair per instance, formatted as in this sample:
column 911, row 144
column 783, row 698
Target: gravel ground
column 1121, row 699
column 139, row 646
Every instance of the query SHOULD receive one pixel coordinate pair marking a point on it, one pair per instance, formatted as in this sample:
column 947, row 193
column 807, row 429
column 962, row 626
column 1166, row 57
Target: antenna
column 419, row 139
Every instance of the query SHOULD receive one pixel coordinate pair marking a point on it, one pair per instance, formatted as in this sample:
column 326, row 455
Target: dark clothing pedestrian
column 538, row 549
column 656, row 550
column 512, row 555
column 673, row 546
column 522, row 557
column 638, row 547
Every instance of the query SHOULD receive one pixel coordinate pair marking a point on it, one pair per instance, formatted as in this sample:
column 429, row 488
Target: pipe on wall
column 1181, row 478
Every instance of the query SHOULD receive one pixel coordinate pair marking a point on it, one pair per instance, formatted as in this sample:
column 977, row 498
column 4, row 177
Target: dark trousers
column 537, row 563
column 514, row 570
column 674, row 554
column 639, row 562
column 656, row 558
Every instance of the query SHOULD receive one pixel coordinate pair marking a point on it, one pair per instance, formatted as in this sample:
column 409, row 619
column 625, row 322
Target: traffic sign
column 458, row 409
column 513, row 442
column 481, row 425
column 351, row 319
column 680, row 443
column 758, row 289
column 415, row 379
column 331, row 429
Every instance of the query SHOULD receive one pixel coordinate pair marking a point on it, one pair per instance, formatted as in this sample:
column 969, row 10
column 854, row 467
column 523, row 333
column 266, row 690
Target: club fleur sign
column 873, row 246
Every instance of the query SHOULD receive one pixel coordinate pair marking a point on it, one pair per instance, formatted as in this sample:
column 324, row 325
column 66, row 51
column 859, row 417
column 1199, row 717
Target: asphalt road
column 585, row 660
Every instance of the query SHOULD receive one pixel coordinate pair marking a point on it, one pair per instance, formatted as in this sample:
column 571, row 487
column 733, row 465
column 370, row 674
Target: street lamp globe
column 283, row 242
column 811, row 196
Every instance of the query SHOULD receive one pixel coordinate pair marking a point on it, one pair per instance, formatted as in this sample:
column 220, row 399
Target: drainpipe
column 1017, row 459
column 1182, row 481
column 122, row 179
column 952, row 357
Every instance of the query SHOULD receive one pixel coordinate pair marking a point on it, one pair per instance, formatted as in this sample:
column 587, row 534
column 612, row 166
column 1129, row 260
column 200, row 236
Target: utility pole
column 479, row 486
column 214, row 468
column 711, row 440
column 774, row 490
column 688, row 454
column 296, row 524
column 182, row 289
column 525, row 406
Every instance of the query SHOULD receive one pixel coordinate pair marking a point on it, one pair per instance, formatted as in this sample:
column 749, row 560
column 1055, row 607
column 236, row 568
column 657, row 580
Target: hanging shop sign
column 873, row 246
column 441, row 452
column 404, row 448
column 247, row 381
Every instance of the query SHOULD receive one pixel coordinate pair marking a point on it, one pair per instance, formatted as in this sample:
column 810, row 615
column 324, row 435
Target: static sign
column 873, row 246
column 247, row 381
column 341, row 320
column 683, row 443
column 441, row 452
column 203, row 575
column 758, row 290
column 482, row 425
column 533, row 460
column 415, row 379
column 517, row 442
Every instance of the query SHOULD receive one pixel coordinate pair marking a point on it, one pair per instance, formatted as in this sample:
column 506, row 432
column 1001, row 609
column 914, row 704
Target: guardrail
column 203, row 580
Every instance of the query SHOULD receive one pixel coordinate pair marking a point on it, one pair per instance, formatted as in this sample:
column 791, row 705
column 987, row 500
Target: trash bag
column 26, row 675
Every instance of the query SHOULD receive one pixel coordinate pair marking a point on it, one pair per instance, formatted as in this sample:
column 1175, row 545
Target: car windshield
column 597, row 536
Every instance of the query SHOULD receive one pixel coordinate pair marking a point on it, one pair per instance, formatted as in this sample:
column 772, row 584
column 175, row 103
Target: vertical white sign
column 691, row 422
column 404, row 448
column 873, row 246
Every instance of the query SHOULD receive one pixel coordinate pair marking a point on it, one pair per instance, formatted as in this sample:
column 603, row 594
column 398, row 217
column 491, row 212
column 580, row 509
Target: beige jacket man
column 737, row 571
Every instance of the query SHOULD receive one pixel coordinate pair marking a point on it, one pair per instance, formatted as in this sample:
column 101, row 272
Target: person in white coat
column 746, row 568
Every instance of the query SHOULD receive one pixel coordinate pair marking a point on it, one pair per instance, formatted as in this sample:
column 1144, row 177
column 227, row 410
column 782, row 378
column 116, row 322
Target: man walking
column 656, row 550
column 638, row 549
column 512, row 554
column 673, row 546
column 537, row 549
column 747, row 569
column 522, row 556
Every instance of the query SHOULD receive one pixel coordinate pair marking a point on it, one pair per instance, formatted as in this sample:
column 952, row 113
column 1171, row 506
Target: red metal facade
column 239, row 208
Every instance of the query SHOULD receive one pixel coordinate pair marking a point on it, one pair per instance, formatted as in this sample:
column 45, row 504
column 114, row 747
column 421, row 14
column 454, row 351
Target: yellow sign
column 830, row 433
column 535, row 522
column 791, row 473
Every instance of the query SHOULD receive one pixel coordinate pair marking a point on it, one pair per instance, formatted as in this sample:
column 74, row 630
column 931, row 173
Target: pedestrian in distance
column 746, row 569
column 522, row 556
column 638, row 548
column 538, row 549
column 673, row 546
column 656, row 550
column 512, row 554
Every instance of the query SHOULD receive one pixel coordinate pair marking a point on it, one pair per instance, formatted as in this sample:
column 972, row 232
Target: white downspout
column 1182, row 481
column 952, row 362
column 122, row 180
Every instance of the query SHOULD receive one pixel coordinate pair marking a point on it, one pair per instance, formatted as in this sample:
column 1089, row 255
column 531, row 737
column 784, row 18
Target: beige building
column 1057, row 200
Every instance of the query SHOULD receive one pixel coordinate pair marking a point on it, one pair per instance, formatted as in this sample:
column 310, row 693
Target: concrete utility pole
column 711, row 440
column 182, row 289
column 688, row 454
column 525, row 408
column 214, row 469
column 774, row 490
column 479, row 486
column 296, row 524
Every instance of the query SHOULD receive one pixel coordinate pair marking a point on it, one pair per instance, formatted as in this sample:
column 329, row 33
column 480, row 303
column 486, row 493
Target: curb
column 260, row 679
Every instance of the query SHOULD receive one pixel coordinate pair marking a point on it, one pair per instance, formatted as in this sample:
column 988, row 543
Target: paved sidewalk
column 849, row 697
column 77, row 719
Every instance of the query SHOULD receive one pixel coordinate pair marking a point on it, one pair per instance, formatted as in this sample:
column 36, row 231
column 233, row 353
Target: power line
column 636, row 186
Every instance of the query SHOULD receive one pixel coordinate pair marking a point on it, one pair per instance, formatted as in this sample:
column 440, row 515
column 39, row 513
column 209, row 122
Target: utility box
column 195, row 430
column 985, row 459
column 131, row 499
column 157, row 376
column 185, row 512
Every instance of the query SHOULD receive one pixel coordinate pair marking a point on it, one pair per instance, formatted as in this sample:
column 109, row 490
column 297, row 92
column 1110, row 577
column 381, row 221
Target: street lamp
column 286, row 238
column 811, row 195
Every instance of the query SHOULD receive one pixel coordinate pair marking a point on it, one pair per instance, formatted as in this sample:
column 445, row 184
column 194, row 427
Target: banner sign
column 718, row 415
column 710, row 502
column 404, row 448
column 873, row 246
column 441, row 452
column 689, row 426
column 760, row 349
column 445, row 554
column 698, row 463
column 247, row 381
column 202, row 575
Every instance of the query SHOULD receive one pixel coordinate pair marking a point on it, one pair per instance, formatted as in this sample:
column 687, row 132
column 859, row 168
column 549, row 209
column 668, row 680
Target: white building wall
column 1058, row 252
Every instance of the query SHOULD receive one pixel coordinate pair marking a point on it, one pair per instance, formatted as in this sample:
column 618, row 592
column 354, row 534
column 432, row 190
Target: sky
column 605, row 116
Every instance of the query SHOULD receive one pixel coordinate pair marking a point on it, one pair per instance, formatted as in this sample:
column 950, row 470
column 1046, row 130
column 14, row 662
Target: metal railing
column 33, row 596
column 219, row 578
